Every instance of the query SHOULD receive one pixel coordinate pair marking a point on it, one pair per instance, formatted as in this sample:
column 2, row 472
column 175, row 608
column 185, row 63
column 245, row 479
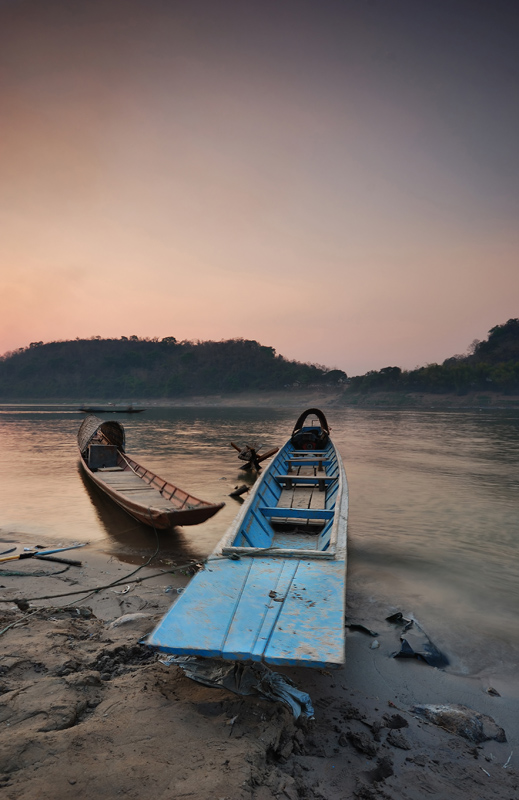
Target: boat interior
column 128, row 478
column 292, row 510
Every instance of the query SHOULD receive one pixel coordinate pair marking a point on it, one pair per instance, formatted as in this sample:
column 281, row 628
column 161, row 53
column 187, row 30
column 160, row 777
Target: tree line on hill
column 132, row 367
column 490, row 366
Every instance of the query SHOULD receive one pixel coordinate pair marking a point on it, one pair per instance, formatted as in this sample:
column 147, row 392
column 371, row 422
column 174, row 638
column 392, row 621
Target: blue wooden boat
column 273, row 590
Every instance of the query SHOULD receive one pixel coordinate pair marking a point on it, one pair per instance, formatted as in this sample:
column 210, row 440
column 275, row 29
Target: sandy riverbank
column 86, row 711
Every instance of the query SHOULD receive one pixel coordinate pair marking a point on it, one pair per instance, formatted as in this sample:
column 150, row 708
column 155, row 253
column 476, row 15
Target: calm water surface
column 434, row 503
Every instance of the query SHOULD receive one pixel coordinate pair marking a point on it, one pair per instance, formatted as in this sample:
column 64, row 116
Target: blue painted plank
column 253, row 608
column 310, row 629
column 256, row 530
column 199, row 621
column 309, row 462
column 298, row 513
column 311, row 480
column 227, row 612
column 288, row 570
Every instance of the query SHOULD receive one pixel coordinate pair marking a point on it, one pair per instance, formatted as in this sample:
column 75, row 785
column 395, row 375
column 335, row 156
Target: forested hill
column 131, row 367
column 488, row 366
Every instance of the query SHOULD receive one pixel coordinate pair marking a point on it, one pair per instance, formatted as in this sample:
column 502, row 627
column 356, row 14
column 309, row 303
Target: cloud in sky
column 338, row 180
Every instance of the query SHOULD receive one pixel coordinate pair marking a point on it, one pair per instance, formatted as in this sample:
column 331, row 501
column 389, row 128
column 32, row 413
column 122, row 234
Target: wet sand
column 87, row 711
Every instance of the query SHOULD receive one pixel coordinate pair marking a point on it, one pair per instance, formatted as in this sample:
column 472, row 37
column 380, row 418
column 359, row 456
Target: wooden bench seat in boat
column 308, row 453
column 296, row 513
column 308, row 462
column 301, row 497
column 306, row 480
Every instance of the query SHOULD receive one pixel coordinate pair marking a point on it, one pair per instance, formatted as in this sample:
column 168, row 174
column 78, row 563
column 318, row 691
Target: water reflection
column 434, row 514
column 129, row 540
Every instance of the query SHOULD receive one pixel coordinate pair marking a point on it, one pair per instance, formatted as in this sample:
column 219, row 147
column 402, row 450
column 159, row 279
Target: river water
column 434, row 504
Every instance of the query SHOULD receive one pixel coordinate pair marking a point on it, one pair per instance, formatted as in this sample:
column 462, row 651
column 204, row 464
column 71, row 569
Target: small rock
column 375, row 730
column 462, row 721
column 420, row 759
column 493, row 692
column 375, row 644
column 127, row 619
column 383, row 770
column 91, row 678
column 395, row 721
column 362, row 743
column 397, row 739
column 349, row 711
column 300, row 738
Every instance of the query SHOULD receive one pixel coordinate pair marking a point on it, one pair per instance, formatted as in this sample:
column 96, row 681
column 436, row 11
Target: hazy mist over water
column 434, row 503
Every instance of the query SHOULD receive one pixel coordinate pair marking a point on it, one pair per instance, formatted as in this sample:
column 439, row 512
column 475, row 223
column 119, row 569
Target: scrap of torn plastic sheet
column 246, row 679
column 416, row 644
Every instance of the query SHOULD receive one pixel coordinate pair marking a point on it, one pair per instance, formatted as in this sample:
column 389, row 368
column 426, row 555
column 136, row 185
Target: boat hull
column 144, row 495
column 153, row 517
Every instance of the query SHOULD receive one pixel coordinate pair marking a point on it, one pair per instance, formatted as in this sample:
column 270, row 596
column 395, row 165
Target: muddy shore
column 87, row 711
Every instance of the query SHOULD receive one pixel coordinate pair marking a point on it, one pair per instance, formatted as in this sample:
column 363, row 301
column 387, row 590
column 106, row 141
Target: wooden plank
column 278, row 552
column 312, row 462
column 317, row 499
column 274, row 605
column 310, row 628
column 295, row 541
column 300, row 513
column 129, row 487
column 252, row 609
column 285, row 498
column 118, row 482
column 199, row 621
column 301, row 496
column 310, row 480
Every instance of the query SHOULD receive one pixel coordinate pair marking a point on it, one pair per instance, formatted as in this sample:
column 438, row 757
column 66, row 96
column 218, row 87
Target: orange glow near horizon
column 309, row 182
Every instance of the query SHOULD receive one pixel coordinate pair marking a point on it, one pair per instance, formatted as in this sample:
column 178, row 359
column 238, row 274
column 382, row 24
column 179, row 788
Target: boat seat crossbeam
column 306, row 480
column 320, row 463
column 297, row 513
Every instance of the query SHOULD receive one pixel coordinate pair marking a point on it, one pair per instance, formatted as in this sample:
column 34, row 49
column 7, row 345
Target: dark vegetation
column 131, row 367
column 489, row 366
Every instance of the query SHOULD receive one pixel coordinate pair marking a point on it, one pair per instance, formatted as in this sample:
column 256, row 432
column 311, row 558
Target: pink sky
column 339, row 183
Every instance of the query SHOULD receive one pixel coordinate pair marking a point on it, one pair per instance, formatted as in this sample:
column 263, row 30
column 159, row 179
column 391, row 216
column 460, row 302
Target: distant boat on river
column 138, row 491
column 112, row 408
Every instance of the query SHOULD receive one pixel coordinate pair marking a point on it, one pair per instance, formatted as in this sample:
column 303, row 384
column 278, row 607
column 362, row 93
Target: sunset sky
column 338, row 179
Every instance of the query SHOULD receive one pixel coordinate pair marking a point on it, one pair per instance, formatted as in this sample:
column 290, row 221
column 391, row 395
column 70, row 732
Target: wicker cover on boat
column 113, row 431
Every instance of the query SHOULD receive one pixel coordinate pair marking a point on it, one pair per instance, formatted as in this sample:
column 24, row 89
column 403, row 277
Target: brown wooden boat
column 137, row 490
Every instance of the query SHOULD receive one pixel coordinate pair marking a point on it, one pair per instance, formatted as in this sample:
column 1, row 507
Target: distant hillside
column 489, row 366
column 139, row 368
column 501, row 347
